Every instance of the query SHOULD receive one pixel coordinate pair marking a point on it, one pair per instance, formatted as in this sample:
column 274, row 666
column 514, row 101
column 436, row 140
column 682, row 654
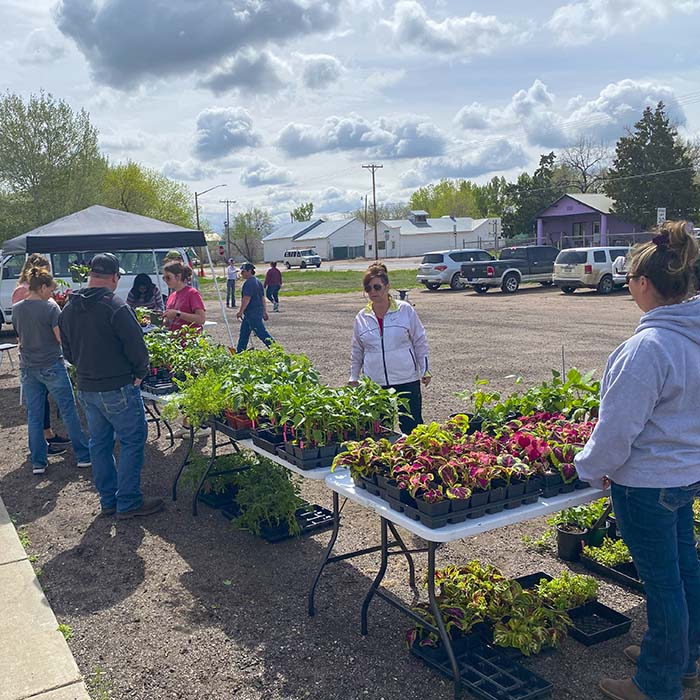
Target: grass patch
column 307, row 282
column 99, row 686
column 66, row 631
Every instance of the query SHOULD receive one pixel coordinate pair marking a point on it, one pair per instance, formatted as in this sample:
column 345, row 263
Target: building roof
column 444, row 224
column 292, row 230
column 598, row 202
column 324, row 230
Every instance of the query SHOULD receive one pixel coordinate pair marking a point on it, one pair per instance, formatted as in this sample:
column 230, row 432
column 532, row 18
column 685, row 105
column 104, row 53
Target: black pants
column 47, row 413
column 411, row 391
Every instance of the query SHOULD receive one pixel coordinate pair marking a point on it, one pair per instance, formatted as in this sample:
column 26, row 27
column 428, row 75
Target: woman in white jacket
column 389, row 345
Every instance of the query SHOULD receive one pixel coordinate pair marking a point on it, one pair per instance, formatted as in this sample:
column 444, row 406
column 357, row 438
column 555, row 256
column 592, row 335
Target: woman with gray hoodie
column 646, row 445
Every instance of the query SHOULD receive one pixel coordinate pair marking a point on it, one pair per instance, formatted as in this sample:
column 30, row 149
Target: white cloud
column 320, row 70
column 43, row 46
column 473, row 116
column 412, row 27
column 222, row 130
column 262, row 172
column 580, row 23
column 250, row 71
column 388, row 137
column 482, row 157
column 188, row 170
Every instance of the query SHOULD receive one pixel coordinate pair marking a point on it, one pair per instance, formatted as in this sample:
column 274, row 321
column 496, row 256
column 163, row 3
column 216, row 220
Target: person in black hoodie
column 102, row 338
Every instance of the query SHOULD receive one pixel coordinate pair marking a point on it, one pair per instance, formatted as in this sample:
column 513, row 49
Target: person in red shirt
column 185, row 306
column 273, row 282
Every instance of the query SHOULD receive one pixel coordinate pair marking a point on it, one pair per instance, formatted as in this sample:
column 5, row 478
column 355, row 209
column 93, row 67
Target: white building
column 332, row 240
column 419, row 234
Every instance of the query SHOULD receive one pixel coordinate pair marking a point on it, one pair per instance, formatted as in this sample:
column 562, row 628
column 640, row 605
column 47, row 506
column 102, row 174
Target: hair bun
column 377, row 266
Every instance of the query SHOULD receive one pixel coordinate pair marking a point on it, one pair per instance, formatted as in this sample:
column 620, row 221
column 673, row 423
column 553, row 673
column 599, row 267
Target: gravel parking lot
column 183, row 607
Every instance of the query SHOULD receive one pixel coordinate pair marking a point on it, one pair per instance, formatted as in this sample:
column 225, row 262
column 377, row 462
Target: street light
column 197, row 195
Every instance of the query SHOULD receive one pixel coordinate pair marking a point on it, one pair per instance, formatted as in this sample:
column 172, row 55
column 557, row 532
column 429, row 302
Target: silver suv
column 586, row 267
column 444, row 266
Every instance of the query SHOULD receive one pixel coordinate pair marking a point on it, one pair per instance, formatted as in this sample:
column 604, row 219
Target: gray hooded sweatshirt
column 648, row 434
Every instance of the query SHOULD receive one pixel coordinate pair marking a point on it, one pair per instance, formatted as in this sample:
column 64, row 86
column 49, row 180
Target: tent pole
column 218, row 294
column 155, row 267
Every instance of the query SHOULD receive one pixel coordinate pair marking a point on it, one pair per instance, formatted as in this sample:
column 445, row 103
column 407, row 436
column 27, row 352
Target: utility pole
column 227, row 227
column 372, row 168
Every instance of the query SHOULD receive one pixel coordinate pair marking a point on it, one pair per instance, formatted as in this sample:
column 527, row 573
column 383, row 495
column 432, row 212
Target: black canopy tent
column 99, row 228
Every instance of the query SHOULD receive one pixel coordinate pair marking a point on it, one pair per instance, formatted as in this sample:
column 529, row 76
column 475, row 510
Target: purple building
column 580, row 220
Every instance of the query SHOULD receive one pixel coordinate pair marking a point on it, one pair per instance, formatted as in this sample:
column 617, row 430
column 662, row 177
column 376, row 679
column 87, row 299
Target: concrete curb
column 39, row 664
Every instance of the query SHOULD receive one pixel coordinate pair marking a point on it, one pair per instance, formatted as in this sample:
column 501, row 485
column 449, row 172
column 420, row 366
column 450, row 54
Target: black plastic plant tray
column 625, row 574
column 233, row 433
column 231, row 511
column 487, row 673
column 595, row 623
column 530, row 581
column 311, row 518
column 218, row 500
column 263, row 444
column 159, row 389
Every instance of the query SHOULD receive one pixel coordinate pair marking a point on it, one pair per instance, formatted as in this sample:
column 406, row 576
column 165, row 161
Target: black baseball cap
column 248, row 266
column 105, row 264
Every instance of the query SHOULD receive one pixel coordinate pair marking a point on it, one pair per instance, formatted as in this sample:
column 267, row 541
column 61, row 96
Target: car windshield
column 571, row 257
column 432, row 258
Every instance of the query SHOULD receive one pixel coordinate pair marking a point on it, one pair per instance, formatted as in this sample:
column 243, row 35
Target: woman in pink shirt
column 185, row 306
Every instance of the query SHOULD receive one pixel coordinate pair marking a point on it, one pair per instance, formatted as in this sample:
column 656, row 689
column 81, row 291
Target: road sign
column 660, row 215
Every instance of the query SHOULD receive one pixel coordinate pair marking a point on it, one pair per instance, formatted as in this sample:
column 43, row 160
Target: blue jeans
column 230, row 292
column 249, row 325
column 657, row 526
column 273, row 293
column 119, row 414
column 54, row 380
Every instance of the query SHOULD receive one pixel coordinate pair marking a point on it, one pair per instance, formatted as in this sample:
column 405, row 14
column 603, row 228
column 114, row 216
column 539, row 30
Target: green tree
column 653, row 168
column 50, row 164
column 249, row 228
column 139, row 190
column 303, row 212
column 530, row 195
column 385, row 212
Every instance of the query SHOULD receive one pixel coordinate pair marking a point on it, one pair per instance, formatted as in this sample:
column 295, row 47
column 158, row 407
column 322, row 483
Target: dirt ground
column 175, row 606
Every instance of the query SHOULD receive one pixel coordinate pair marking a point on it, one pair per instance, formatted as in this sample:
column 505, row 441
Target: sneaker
column 57, row 449
column 58, row 440
column 148, row 507
column 38, row 469
column 107, row 512
column 84, row 465
column 690, row 680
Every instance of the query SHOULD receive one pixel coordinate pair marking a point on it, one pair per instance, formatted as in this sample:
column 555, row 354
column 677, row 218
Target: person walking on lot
column 389, row 345
column 646, row 444
column 43, row 371
column 273, row 284
column 231, row 277
column 57, row 443
column 103, row 339
column 252, row 312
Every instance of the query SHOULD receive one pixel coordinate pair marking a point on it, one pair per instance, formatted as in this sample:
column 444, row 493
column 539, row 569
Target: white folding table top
column 313, row 474
column 158, row 398
column 341, row 483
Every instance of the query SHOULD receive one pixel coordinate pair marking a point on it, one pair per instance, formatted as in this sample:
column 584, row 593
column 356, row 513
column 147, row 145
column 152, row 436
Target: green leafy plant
column 583, row 517
column 267, row 495
column 611, row 553
column 568, row 591
column 66, row 631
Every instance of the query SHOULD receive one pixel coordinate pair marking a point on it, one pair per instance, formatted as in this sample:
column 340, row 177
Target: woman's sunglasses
column 629, row 276
column 376, row 287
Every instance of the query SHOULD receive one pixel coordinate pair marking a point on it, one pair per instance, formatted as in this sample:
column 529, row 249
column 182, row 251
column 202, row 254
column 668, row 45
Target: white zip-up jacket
column 399, row 355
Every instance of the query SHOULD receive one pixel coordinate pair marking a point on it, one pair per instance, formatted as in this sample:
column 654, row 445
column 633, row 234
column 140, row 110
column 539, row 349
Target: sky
column 284, row 101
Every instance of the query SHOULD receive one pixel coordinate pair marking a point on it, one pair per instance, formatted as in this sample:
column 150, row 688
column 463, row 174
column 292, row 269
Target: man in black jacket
column 102, row 338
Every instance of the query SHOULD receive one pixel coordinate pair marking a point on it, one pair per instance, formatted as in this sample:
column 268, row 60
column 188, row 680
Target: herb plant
column 611, row 553
column 567, row 590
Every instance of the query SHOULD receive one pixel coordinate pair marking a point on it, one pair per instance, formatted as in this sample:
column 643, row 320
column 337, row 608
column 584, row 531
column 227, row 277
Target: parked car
column 132, row 262
column 301, row 257
column 443, row 266
column 518, row 264
column 586, row 267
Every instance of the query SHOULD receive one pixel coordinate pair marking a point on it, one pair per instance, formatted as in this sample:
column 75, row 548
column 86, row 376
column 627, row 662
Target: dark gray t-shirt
column 34, row 321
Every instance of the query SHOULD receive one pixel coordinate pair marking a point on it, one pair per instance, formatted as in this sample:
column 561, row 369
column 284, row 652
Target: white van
column 301, row 257
column 132, row 262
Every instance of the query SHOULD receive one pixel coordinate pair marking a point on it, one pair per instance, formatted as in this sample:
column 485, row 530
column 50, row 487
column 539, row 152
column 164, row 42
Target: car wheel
column 605, row 286
column 317, row 266
column 546, row 283
column 568, row 290
column 287, row 265
column 480, row 288
column 455, row 283
column 432, row 286
column 510, row 283
column 303, row 265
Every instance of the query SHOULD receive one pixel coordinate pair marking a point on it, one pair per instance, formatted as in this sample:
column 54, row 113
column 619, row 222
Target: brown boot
column 624, row 689
column 690, row 680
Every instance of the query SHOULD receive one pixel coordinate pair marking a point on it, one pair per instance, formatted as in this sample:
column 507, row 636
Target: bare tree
column 588, row 161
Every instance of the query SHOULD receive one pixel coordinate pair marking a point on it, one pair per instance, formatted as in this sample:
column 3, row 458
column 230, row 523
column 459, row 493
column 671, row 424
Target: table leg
column 185, row 462
column 378, row 578
column 165, row 423
column 154, row 417
column 444, row 637
column 407, row 554
column 205, row 474
column 327, row 554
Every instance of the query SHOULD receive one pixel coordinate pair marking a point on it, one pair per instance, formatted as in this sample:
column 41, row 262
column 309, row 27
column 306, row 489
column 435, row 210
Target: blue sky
column 284, row 100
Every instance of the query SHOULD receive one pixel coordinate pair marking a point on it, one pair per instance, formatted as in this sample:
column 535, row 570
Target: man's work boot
column 690, row 680
column 624, row 689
